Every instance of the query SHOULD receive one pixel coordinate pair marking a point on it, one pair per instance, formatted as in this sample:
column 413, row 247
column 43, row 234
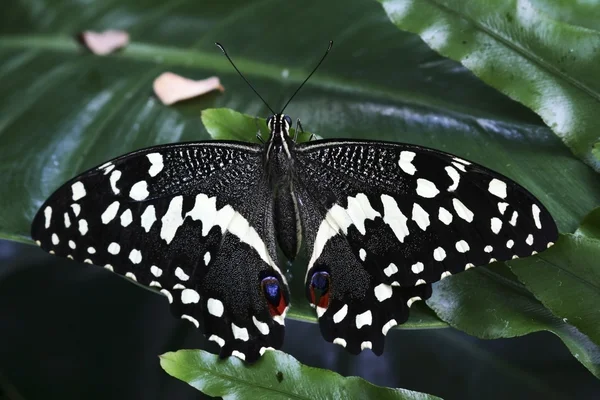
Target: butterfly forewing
column 193, row 221
column 383, row 221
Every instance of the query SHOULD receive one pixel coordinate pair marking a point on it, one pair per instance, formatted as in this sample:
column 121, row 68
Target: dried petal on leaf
column 171, row 88
column 103, row 43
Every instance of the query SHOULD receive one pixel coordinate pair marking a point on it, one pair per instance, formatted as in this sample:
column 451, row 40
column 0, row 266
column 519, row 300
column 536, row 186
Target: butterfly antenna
column 243, row 77
column 313, row 71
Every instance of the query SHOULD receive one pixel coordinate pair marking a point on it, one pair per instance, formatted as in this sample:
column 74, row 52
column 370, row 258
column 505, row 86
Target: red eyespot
column 319, row 289
column 272, row 292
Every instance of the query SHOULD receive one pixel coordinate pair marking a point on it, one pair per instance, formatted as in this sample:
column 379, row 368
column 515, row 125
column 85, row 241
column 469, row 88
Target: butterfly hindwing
column 383, row 221
column 183, row 219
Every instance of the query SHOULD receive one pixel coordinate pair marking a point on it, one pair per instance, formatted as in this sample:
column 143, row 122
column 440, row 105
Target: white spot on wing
column 47, row 216
column 383, row 292
column 261, row 326
column 172, row 219
column 510, row 243
column 341, row 314
column 535, row 210
column 513, row 219
column 135, row 256
column 405, row 162
column 390, row 269
column 455, row 176
column 445, row 274
column 78, row 191
column 394, row 217
column 239, row 333
column 497, row 188
column 412, row 300
column 366, row 345
column 83, row 226
column 359, row 209
column 239, row 354
column 181, row 275
column 157, row 272
column 191, row 319
column 420, row 216
column 110, row 212
column 502, row 207
column 426, row 188
column 55, row 239
column 529, row 239
column 462, row 246
column 220, row 341
column 114, row 248
column 114, row 178
column 148, row 218
column 488, row 249
column 206, row 258
column 462, row 211
column 168, row 294
column 157, row 163
column 417, row 268
column 445, row 216
column 76, row 209
column 189, row 296
column 72, row 244
column 67, row 220
column 496, row 225
column 439, row 254
column 340, row 341
column 420, row 282
column 388, row 325
column 91, row 250
column 363, row 319
column 215, row 307
column 131, row 276
column 139, row 191
column 362, row 254
column 126, row 218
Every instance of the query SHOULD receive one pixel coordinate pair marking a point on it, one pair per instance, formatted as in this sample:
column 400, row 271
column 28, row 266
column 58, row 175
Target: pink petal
column 171, row 88
column 103, row 43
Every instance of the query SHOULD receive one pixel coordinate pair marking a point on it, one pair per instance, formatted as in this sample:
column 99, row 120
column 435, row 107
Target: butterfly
column 202, row 222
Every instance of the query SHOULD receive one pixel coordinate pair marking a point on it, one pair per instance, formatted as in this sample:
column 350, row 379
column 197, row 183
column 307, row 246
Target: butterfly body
column 201, row 223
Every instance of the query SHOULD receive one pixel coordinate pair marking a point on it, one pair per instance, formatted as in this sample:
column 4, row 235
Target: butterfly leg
column 298, row 128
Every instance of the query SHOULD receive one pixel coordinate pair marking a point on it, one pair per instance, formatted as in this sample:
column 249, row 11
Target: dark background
column 77, row 331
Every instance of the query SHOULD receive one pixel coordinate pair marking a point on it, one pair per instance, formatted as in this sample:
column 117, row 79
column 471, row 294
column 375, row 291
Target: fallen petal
column 103, row 43
column 171, row 88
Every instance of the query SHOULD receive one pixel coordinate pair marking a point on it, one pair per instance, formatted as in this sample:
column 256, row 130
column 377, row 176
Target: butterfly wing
column 190, row 220
column 383, row 221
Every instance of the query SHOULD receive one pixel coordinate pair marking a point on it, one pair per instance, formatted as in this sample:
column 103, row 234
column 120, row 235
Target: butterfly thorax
column 279, row 165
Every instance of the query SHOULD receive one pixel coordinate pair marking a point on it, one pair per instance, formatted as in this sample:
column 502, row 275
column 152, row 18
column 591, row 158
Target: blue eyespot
column 271, row 290
column 320, row 281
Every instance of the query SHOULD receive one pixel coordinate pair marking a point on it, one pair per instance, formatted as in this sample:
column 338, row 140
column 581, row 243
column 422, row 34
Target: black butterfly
column 201, row 223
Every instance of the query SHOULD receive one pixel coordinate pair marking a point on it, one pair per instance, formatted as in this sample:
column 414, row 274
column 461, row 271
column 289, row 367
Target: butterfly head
column 279, row 124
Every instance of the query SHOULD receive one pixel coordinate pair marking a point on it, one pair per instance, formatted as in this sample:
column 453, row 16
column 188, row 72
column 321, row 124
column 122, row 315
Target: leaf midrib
column 529, row 55
column 217, row 63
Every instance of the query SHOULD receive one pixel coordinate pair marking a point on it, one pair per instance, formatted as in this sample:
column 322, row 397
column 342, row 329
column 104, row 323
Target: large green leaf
column 548, row 65
column 566, row 278
column 276, row 376
column 64, row 110
column 492, row 304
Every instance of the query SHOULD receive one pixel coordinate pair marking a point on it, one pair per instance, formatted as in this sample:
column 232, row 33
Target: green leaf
column 582, row 13
column 566, row 278
column 223, row 123
column 490, row 303
column 548, row 65
column 275, row 376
